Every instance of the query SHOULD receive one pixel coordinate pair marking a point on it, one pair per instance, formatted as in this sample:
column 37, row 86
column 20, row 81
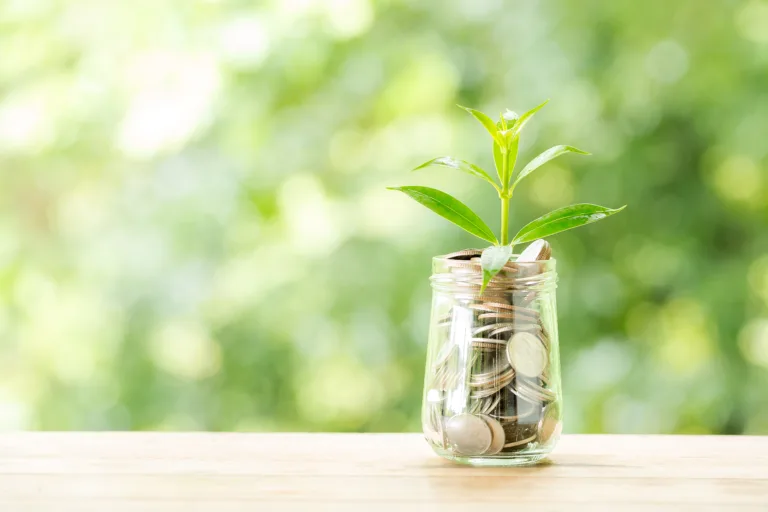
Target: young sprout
column 506, row 136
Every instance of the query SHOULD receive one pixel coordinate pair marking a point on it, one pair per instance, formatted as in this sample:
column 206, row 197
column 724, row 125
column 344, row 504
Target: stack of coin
column 489, row 387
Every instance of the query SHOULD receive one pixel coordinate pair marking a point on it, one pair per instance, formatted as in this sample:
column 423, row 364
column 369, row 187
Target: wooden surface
column 114, row 472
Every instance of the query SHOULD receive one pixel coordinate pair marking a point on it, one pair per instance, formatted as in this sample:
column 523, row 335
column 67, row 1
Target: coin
column 526, row 354
column 491, row 384
column 497, row 436
column 464, row 254
column 517, row 326
column 461, row 266
column 445, row 354
column 492, row 404
column 486, row 297
column 550, row 425
column 527, row 394
column 493, row 373
column 487, row 347
column 536, row 390
column 468, row 434
column 488, row 341
column 509, row 307
column 490, row 327
column 498, row 305
column 538, row 250
column 518, row 313
column 521, row 442
column 518, row 435
column 527, row 411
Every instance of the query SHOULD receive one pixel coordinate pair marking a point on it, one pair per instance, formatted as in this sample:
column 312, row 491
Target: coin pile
column 489, row 389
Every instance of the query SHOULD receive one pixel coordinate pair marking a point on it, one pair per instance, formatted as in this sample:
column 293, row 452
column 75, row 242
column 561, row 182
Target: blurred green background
column 195, row 231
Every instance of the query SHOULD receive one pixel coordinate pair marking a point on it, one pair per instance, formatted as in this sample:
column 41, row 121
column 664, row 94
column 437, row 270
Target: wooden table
column 114, row 472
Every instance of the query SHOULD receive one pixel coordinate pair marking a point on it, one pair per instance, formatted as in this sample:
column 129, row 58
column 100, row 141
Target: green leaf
column 512, row 157
column 510, row 117
column 451, row 209
column 506, row 120
column 563, row 219
column 461, row 165
column 487, row 122
column 514, row 132
column 545, row 157
column 498, row 160
column 492, row 260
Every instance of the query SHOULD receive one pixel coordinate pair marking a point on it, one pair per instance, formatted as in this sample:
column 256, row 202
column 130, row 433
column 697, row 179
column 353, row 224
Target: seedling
column 506, row 137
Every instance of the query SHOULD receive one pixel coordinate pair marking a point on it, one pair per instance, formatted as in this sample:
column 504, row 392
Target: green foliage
column 489, row 125
column 514, row 131
column 461, row 165
column 545, row 157
column 506, row 136
column 451, row 209
column 561, row 220
column 195, row 233
column 492, row 260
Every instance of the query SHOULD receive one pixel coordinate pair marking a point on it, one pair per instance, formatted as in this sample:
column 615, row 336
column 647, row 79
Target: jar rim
column 450, row 274
column 444, row 257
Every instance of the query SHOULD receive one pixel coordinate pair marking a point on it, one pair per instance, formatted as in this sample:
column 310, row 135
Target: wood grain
column 371, row 472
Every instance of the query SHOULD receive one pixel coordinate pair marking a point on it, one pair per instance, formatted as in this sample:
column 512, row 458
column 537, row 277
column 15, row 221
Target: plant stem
column 504, row 198
column 504, row 220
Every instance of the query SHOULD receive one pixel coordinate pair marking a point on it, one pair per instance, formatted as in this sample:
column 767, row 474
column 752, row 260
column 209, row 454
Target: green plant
column 506, row 136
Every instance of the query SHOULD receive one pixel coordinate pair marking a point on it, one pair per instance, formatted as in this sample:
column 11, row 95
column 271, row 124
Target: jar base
column 528, row 458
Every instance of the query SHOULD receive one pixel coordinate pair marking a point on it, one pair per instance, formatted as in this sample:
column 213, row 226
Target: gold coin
column 466, row 253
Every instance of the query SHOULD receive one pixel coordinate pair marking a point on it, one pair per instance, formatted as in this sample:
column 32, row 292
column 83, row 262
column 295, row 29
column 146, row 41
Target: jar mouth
column 513, row 258
column 451, row 273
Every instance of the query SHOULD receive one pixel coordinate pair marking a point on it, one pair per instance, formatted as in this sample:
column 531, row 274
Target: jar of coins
column 492, row 393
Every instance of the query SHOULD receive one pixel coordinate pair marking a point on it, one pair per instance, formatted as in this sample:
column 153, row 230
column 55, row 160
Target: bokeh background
column 195, row 231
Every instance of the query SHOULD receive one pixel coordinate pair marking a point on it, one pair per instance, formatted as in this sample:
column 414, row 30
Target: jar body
column 492, row 391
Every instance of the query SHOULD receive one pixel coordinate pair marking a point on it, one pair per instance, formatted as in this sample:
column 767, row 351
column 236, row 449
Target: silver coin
column 491, row 385
column 524, row 392
column 516, row 326
column 520, row 314
column 493, row 373
column 488, row 341
column 550, row 425
column 445, row 353
column 527, row 354
column 527, row 410
column 540, row 392
column 492, row 404
column 468, row 434
column 538, row 250
column 498, row 438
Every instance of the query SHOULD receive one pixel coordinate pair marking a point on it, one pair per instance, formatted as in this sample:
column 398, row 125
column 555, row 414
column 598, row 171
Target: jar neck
column 462, row 275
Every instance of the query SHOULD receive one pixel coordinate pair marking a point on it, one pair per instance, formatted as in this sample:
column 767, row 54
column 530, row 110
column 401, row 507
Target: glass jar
column 492, row 394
